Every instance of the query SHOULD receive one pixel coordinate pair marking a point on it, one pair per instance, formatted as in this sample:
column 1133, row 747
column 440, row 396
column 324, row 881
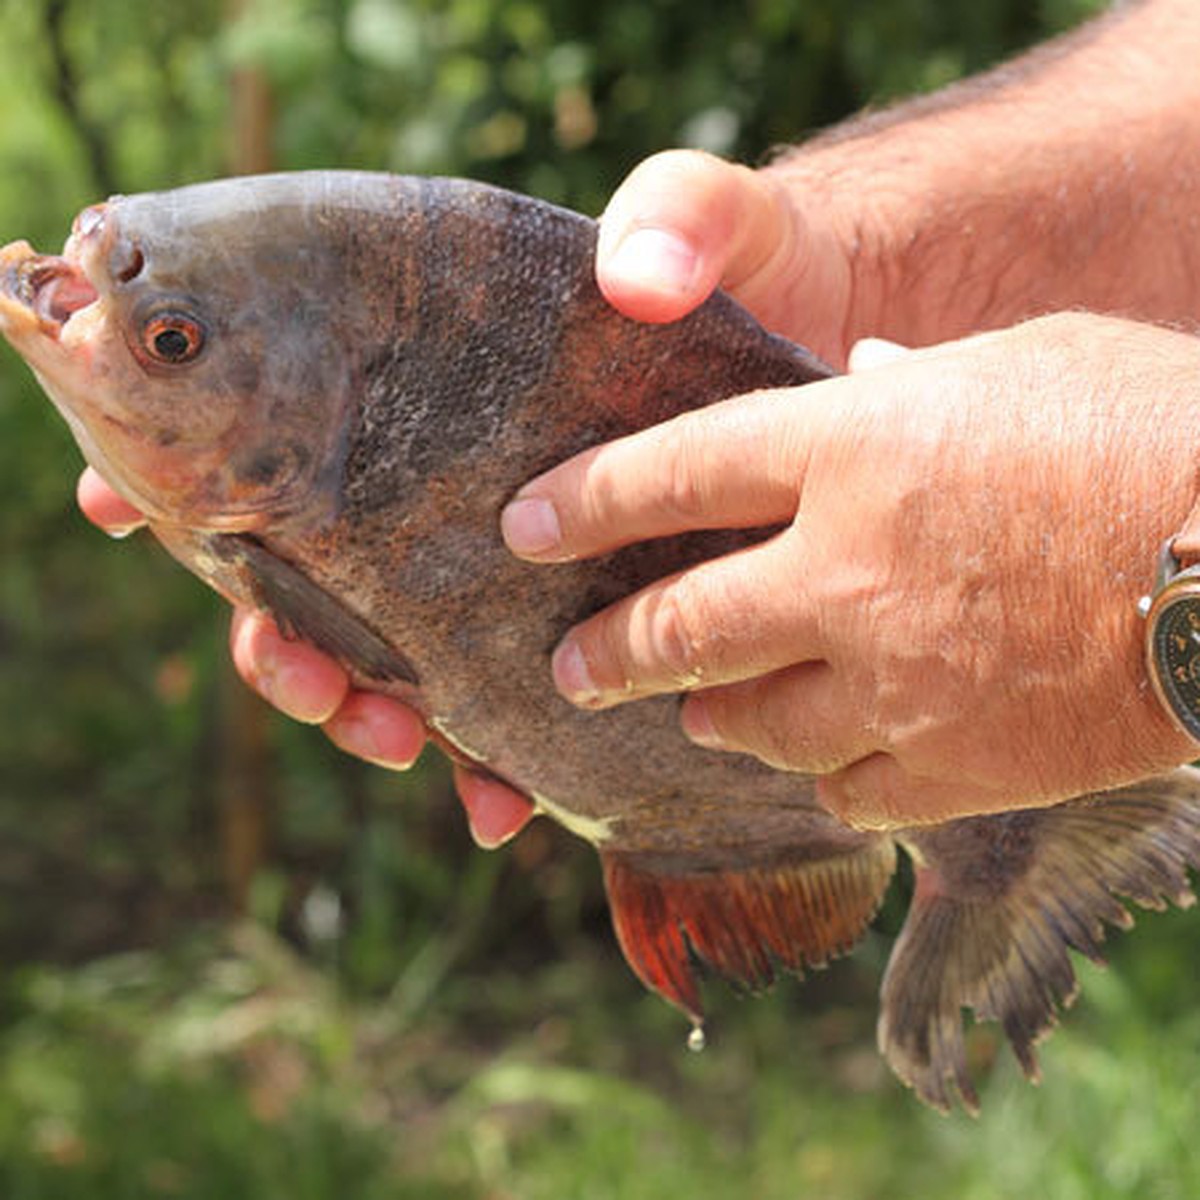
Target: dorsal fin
column 999, row 902
column 744, row 923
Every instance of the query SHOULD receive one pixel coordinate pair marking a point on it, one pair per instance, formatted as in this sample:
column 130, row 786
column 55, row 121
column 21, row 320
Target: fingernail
column 655, row 259
column 698, row 726
column 571, row 674
column 494, row 814
column 530, row 527
column 119, row 532
column 360, row 736
column 286, row 687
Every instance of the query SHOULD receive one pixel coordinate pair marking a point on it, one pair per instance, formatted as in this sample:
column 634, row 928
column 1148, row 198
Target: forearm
column 1070, row 178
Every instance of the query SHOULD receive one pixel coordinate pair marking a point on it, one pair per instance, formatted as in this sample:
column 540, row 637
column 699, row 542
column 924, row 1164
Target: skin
column 947, row 624
column 964, row 527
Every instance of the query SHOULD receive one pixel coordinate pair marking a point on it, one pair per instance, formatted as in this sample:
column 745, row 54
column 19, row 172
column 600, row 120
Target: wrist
column 1121, row 410
column 1172, row 633
column 1068, row 179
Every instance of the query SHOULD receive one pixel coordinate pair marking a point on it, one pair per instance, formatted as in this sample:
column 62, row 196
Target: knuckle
column 599, row 494
column 778, row 739
column 676, row 636
column 774, row 717
column 750, row 721
column 686, row 494
column 868, row 794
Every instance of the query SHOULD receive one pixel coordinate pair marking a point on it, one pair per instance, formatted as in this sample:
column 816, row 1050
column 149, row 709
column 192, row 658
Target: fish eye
column 173, row 338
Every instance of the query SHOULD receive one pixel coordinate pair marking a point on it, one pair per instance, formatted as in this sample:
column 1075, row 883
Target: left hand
column 311, row 687
column 947, row 623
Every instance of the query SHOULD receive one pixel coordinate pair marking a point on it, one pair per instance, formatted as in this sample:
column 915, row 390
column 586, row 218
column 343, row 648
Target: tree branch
column 65, row 86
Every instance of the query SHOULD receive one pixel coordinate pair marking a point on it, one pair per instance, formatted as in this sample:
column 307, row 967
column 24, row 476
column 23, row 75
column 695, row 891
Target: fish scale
column 363, row 370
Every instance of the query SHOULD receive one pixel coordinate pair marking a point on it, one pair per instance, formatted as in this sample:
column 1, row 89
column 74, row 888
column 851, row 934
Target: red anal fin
column 743, row 923
column 1001, row 901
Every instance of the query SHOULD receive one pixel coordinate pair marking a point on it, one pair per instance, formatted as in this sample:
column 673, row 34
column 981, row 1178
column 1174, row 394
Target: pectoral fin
column 302, row 609
column 999, row 902
column 742, row 922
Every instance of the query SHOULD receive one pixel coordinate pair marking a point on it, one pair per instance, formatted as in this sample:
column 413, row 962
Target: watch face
column 1175, row 654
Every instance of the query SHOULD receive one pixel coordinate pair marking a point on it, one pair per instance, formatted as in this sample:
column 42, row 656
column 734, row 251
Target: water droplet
column 696, row 1040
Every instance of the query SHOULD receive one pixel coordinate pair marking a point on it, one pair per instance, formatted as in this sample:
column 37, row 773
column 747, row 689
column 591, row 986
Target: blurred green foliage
column 397, row 1014
column 105, row 788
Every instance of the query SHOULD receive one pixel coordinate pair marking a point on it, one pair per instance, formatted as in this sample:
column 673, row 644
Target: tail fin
column 742, row 921
column 999, row 901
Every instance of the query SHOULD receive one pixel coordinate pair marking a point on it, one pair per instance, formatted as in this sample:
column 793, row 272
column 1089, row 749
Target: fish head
column 187, row 338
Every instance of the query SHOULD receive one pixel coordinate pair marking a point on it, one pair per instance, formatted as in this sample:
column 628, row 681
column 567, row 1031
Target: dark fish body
column 377, row 364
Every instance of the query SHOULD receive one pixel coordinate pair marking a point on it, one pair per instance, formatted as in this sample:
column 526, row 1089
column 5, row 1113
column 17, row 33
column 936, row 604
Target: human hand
column 684, row 223
column 310, row 687
column 947, row 623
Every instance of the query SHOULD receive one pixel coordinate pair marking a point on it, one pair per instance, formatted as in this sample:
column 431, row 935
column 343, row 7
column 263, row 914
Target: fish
column 322, row 387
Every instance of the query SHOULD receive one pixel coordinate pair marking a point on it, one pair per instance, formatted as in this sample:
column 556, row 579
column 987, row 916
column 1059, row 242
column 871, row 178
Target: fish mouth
column 43, row 292
column 50, row 288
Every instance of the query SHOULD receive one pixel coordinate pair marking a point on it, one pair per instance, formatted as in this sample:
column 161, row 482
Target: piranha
column 323, row 387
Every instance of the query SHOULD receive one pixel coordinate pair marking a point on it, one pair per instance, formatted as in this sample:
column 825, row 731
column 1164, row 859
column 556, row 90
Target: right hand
column 311, row 687
column 726, row 225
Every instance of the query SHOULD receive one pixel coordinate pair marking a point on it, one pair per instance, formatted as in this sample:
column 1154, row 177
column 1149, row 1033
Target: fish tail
column 998, row 904
column 744, row 922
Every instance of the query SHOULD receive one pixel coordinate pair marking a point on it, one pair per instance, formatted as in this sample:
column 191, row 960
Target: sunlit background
column 237, row 964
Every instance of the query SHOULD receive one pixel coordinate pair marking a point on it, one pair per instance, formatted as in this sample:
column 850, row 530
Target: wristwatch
column 1172, row 613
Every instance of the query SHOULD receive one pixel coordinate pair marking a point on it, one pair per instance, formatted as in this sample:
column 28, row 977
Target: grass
column 227, row 1067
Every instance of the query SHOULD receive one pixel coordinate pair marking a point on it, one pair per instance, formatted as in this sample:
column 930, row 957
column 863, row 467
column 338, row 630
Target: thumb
column 682, row 224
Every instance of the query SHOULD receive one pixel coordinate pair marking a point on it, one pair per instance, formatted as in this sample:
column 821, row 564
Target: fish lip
column 58, row 289
column 47, row 290
column 50, row 287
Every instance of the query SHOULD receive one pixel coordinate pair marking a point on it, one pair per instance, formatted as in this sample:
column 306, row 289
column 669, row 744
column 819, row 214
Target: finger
column 378, row 729
column 739, row 463
column 684, row 222
column 797, row 719
column 877, row 793
column 728, row 619
column 868, row 794
column 103, row 507
column 868, row 353
column 293, row 676
column 495, row 813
